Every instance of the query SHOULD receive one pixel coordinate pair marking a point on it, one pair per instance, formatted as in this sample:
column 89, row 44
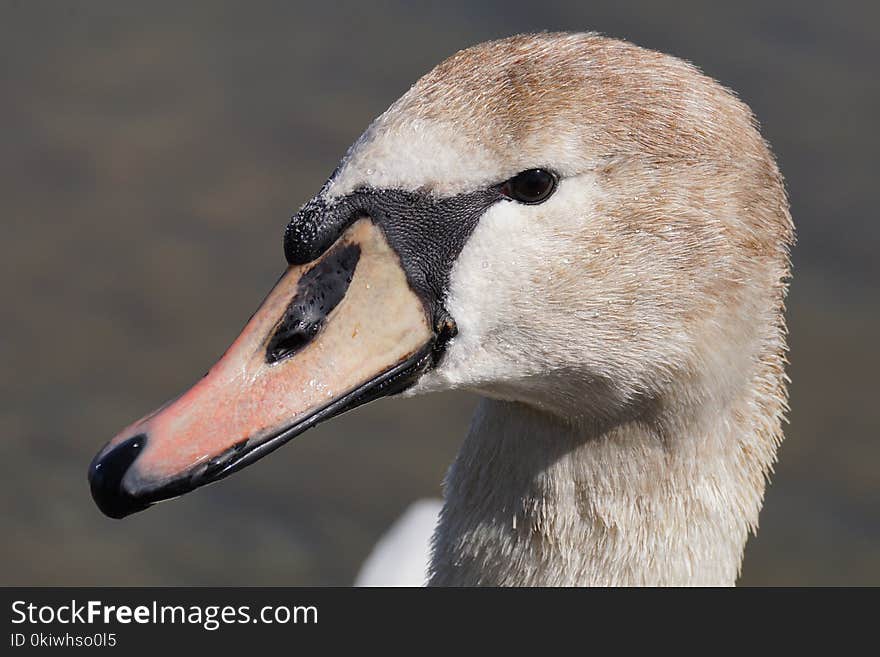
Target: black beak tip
column 105, row 479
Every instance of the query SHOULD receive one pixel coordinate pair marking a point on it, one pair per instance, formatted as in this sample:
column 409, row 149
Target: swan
column 402, row 556
column 591, row 236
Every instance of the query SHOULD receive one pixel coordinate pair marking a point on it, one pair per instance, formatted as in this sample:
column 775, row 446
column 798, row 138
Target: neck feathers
column 533, row 500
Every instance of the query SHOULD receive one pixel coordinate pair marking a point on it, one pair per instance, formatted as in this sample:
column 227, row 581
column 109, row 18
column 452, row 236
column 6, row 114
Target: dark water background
column 149, row 158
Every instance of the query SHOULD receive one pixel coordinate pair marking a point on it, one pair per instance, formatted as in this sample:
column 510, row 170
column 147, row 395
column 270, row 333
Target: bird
column 402, row 555
column 592, row 237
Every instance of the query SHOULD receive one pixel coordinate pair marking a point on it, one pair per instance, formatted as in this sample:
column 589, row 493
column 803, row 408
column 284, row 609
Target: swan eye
column 532, row 186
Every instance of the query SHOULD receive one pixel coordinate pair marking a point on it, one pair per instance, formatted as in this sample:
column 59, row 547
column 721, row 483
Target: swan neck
column 534, row 500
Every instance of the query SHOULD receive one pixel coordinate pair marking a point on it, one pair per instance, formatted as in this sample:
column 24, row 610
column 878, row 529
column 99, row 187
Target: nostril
column 318, row 292
column 105, row 478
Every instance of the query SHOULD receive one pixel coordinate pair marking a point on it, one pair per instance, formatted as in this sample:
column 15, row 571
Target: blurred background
column 150, row 156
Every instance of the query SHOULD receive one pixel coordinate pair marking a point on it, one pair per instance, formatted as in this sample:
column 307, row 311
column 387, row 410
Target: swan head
column 563, row 220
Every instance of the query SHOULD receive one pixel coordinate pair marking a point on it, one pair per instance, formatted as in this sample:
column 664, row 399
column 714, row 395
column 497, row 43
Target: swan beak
column 332, row 334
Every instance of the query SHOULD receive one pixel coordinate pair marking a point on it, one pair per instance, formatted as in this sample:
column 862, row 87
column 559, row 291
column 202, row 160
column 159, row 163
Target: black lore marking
column 318, row 292
column 427, row 232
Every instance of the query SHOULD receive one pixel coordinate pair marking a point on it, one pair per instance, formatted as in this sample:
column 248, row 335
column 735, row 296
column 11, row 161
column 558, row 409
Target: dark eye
column 531, row 186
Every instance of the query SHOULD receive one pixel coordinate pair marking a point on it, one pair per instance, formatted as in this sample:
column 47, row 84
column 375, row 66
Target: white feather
column 402, row 555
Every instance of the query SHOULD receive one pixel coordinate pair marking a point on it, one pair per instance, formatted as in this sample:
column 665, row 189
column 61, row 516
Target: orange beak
column 332, row 334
